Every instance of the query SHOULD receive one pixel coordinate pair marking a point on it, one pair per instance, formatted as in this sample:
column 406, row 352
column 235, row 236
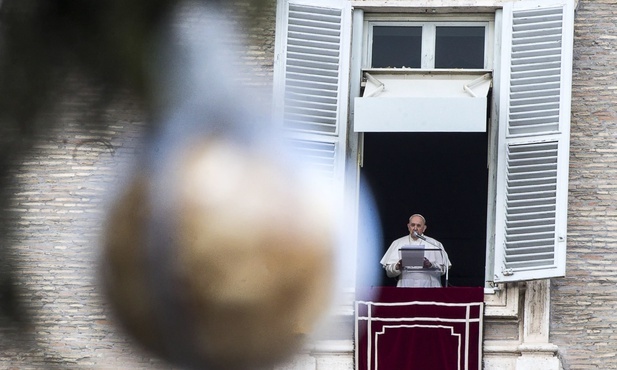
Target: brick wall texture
column 583, row 320
column 58, row 193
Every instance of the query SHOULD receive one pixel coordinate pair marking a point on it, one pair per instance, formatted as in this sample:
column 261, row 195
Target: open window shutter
column 534, row 132
column 312, row 79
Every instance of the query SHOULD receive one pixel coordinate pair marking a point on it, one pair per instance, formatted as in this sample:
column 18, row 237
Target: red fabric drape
column 419, row 328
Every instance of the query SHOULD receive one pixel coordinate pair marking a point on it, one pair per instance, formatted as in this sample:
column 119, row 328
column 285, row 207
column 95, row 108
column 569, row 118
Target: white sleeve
column 390, row 259
column 391, row 270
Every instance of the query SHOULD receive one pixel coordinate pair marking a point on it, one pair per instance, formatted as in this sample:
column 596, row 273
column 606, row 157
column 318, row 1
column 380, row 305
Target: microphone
column 415, row 233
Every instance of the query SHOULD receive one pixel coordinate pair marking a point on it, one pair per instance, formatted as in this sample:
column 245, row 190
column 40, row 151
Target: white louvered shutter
column 312, row 79
column 534, row 133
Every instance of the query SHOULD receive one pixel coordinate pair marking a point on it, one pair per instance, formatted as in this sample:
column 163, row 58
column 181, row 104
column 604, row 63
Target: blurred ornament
column 219, row 253
column 231, row 270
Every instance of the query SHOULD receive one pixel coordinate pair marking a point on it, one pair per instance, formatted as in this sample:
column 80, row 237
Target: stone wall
column 57, row 210
column 583, row 304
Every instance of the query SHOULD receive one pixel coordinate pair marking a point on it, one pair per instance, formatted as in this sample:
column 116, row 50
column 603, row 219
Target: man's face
column 416, row 224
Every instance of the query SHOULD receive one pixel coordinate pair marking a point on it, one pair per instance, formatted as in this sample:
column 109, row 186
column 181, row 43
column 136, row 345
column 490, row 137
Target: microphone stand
column 440, row 252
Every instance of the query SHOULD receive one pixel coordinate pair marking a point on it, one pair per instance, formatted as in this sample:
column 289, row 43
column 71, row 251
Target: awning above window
column 422, row 102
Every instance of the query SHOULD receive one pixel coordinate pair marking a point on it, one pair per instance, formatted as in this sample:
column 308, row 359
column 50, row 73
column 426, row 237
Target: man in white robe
column 436, row 262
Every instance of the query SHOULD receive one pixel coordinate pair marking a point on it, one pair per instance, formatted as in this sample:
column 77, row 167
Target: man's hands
column 427, row 264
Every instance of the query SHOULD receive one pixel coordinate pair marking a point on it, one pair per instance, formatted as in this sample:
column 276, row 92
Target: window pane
column 459, row 47
column 396, row 47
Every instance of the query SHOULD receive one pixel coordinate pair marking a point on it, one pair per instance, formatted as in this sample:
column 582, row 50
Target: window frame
column 350, row 145
column 501, row 296
column 429, row 24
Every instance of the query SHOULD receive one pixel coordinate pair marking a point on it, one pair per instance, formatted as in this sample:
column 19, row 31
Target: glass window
column 397, row 47
column 459, row 47
column 427, row 45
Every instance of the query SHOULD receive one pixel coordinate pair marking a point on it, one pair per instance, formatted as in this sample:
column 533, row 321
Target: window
column 424, row 74
column 528, row 138
column 459, row 46
column 396, row 46
column 428, row 45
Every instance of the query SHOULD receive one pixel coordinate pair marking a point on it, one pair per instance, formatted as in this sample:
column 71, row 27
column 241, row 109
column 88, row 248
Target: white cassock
column 430, row 277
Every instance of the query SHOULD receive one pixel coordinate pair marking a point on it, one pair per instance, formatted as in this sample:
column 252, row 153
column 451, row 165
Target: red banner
column 419, row 329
